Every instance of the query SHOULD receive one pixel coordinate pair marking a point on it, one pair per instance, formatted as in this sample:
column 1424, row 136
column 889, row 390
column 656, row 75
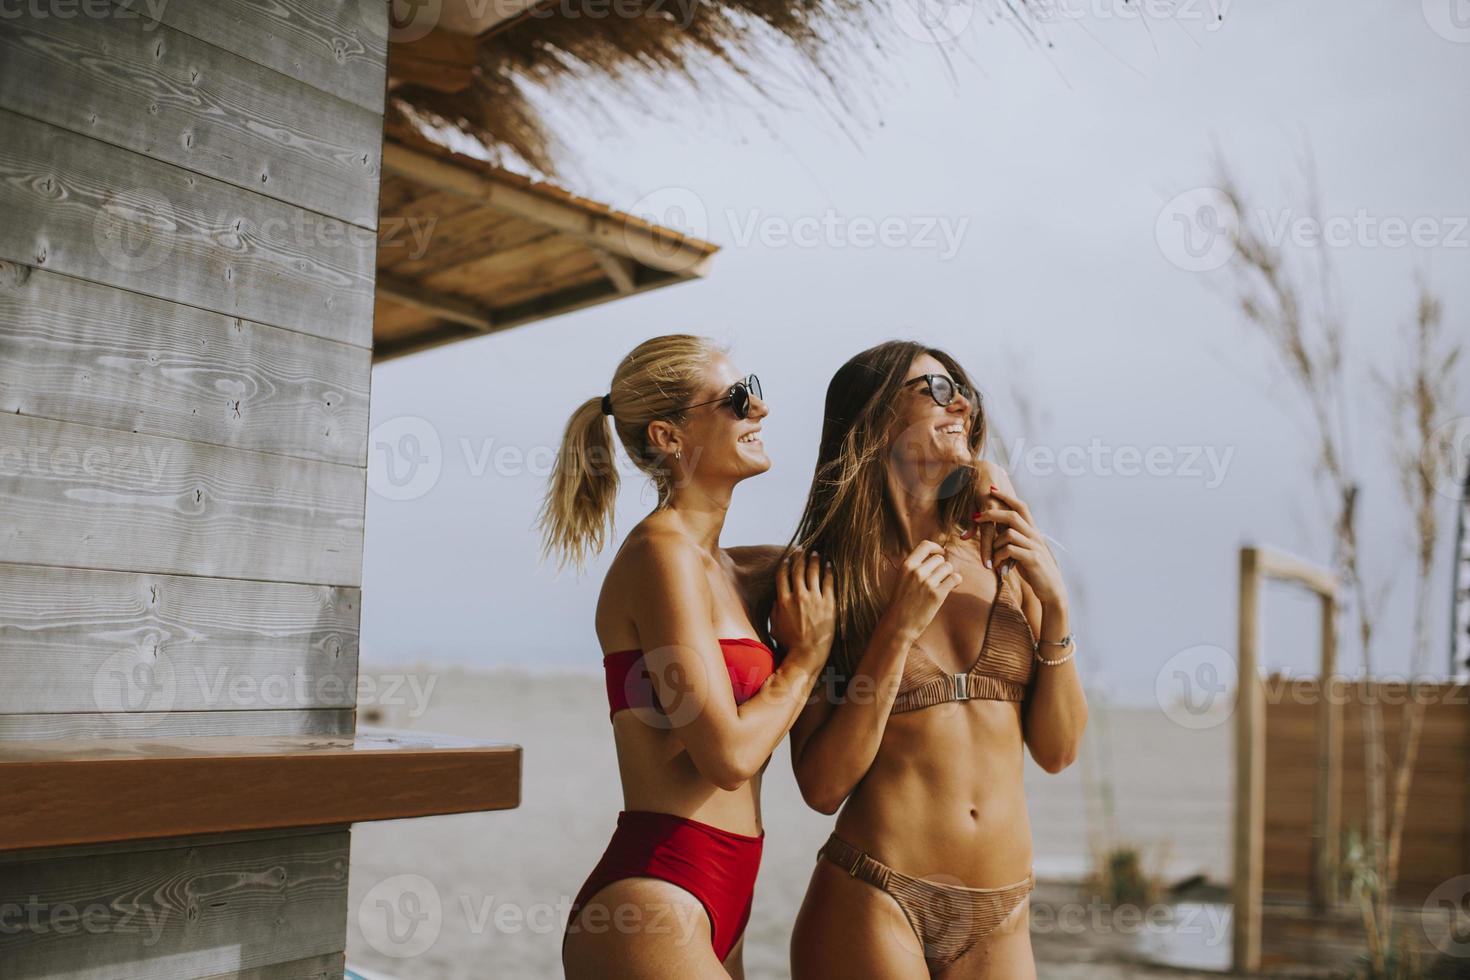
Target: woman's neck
column 915, row 511
column 701, row 511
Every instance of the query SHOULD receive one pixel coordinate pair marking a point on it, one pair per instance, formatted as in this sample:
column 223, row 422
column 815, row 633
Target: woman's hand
column 805, row 614
column 1017, row 538
column 924, row 580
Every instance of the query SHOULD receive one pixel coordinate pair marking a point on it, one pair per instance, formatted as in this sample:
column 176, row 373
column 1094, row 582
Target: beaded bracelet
column 1066, row 641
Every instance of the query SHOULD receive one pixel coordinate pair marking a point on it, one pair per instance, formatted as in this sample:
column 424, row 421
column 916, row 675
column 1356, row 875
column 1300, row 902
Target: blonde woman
column 696, row 698
column 953, row 657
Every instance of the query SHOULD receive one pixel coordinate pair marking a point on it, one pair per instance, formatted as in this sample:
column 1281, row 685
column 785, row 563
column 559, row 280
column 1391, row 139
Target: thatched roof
column 508, row 250
column 482, row 77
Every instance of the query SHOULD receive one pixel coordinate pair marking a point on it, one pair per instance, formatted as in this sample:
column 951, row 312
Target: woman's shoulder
column 656, row 565
column 654, row 543
column 754, row 569
column 755, row 558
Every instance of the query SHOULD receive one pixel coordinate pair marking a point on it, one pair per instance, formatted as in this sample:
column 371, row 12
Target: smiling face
column 933, row 437
column 714, row 442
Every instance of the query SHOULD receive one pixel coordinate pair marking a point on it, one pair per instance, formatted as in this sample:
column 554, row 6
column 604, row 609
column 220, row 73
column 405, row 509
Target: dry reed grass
column 1291, row 299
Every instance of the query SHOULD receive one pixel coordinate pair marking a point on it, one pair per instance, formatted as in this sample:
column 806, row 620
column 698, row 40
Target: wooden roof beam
column 439, row 60
column 620, row 270
column 519, row 314
column 620, row 234
column 482, row 18
column 455, row 309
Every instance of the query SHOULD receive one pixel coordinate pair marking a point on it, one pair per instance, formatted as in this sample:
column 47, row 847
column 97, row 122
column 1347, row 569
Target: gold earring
column 678, row 454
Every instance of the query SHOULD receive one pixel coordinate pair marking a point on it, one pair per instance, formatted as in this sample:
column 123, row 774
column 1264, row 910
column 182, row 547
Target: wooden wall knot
column 13, row 275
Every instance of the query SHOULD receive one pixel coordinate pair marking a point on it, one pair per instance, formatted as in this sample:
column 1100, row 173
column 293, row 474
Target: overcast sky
column 1010, row 202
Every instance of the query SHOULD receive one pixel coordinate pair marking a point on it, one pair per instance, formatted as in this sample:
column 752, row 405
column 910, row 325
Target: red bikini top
column 749, row 662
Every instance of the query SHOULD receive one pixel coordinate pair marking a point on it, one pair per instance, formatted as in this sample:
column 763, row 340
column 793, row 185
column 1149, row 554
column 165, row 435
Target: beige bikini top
column 1001, row 671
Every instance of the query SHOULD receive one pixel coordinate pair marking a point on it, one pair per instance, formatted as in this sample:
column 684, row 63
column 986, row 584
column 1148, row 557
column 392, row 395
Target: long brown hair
column 850, row 492
column 654, row 381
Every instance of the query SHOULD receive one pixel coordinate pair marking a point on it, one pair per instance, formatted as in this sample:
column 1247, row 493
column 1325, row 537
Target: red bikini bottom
column 716, row 866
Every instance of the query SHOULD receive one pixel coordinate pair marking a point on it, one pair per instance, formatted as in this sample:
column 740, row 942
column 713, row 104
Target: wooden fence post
column 1250, row 774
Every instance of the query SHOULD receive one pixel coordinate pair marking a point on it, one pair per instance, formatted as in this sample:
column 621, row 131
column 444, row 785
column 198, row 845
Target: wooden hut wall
column 186, row 291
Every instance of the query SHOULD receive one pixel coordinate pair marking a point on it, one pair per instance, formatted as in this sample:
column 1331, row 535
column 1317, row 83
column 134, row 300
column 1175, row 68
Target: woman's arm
column 1056, row 710
column 834, row 742
column 673, row 614
column 1056, row 707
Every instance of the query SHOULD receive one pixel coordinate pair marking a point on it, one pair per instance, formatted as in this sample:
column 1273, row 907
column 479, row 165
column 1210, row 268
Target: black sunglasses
column 738, row 397
column 942, row 388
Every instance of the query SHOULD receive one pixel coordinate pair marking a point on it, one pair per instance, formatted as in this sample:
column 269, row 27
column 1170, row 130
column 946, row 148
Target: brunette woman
column 952, row 658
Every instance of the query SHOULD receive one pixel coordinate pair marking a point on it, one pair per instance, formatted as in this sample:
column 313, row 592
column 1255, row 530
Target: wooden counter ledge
column 89, row 791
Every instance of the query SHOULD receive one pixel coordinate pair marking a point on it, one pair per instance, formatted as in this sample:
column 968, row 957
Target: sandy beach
column 486, row 895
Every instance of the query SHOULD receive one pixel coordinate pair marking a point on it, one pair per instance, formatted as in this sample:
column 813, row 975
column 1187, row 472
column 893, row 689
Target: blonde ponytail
column 577, row 514
column 655, row 381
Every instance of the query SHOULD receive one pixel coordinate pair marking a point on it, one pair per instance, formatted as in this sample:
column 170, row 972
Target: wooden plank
column 1440, row 789
column 179, row 913
column 575, row 298
column 338, row 46
column 436, row 334
column 482, row 274
column 80, row 640
column 76, row 351
column 1437, row 854
column 455, row 309
column 392, row 319
column 432, row 229
column 395, row 190
column 88, row 209
column 1413, row 886
column 1299, row 754
column 329, row 966
column 142, row 844
column 1298, row 695
column 77, row 792
column 649, row 245
column 79, row 496
column 567, row 273
column 1422, row 857
column 555, row 304
column 1280, row 565
column 1300, row 733
column 175, row 724
column 483, row 19
column 1427, row 788
column 451, row 240
column 1292, row 816
column 439, row 60
column 159, row 92
column 1292, row 766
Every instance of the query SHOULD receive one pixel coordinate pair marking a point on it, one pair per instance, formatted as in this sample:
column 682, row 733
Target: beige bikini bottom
column 947, row 919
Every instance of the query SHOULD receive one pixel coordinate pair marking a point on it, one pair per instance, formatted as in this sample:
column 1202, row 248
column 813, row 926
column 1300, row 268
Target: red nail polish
column 994, row 487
